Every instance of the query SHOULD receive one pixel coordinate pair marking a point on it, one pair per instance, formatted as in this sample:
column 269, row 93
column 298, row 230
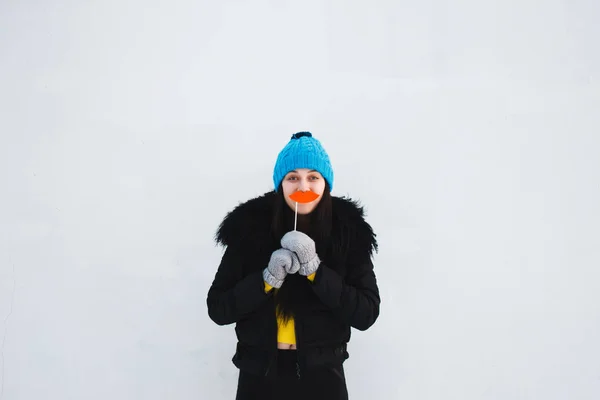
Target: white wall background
column 469, row 130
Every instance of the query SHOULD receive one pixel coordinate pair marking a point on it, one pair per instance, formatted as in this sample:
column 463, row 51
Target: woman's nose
column 303, row 185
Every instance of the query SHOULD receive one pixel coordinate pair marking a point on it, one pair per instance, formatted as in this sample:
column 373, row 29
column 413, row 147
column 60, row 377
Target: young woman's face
column 304, row 180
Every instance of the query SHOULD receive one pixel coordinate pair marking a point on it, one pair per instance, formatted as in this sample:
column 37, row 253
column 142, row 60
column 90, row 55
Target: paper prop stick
column 302, row 197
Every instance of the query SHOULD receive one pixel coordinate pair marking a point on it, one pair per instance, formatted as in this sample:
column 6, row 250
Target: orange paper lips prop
column 304, row 197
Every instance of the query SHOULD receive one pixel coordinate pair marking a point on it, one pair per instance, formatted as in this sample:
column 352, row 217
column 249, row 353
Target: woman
column 294, row 278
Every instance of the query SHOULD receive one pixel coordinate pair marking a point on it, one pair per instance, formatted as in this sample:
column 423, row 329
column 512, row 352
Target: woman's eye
column 295, row 178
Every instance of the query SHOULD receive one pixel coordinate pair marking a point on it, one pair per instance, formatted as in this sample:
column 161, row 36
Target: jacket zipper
column 296, row 330
column 273, row 359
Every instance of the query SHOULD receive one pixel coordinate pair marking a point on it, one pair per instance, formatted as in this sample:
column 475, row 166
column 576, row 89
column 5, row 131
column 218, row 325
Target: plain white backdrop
column 468, row 130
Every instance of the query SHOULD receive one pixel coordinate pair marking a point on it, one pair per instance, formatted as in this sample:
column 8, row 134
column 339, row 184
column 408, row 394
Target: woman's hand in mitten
column 282, row 262
column 304, row 247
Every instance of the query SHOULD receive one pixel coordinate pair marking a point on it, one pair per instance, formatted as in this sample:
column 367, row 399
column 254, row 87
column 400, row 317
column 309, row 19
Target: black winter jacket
column 344, row 293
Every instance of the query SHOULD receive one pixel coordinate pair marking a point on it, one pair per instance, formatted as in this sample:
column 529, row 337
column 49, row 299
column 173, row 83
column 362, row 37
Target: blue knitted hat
column 302, row 151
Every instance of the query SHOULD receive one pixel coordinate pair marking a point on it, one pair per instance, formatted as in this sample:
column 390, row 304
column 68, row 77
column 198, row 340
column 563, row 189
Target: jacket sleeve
column 232, row 295
column 355, row 300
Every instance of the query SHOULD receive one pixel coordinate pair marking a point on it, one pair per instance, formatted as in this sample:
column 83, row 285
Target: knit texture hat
column 302, row 151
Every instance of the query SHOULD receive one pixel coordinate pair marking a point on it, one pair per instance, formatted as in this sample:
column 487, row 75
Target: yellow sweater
column 286, row 333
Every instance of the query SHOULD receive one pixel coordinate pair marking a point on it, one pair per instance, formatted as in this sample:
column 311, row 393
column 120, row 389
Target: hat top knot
column 301, row 134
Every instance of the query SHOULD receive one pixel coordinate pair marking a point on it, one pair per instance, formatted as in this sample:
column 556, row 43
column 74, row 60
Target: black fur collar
column 251, row 220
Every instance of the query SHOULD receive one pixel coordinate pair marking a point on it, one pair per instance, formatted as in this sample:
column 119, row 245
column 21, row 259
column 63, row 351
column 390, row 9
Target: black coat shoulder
column 349, row 218
column 247, row 220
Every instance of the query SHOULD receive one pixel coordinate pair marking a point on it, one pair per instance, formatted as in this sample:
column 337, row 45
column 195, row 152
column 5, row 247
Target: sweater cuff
column 267, row 287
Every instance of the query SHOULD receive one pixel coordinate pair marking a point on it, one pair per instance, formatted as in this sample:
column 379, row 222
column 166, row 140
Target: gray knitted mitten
column 304, row 247
column 282, row 262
